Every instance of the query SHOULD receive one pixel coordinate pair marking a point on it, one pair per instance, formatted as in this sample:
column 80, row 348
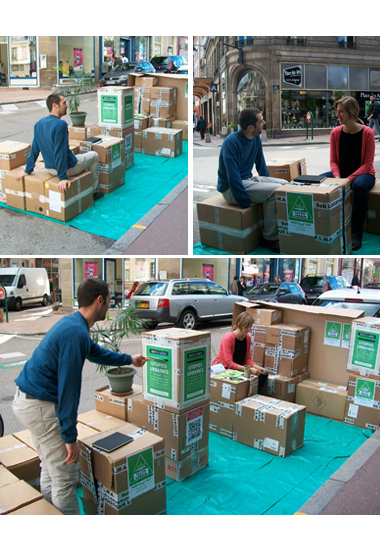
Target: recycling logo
column 140, row 472
column 319, row 402
column 300, row 212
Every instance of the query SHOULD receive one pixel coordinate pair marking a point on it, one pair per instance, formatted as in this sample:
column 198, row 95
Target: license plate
column 143, row 305
column 111, row 82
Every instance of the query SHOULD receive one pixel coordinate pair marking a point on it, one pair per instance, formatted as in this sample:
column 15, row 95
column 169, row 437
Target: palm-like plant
column 119, row 323
column 78, row 85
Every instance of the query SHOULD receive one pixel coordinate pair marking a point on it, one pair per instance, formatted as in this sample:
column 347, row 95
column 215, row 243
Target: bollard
column 208, row 138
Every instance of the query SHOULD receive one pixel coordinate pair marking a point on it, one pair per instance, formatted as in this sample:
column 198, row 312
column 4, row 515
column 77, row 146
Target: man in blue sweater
column 48, row 391
column 239, row 152
column 51, row 138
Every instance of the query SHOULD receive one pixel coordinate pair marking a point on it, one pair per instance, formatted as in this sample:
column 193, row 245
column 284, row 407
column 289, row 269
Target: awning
column 201, row 86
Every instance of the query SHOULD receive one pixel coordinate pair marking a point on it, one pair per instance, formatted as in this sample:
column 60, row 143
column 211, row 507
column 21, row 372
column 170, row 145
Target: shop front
column 76, row 56
column 251, row 92
column 22, row 61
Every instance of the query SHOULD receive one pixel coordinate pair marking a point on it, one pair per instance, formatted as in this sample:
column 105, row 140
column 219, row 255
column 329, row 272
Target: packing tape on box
column 15, row 193
column 13, row 448
column 223, row 230
column 41, row 198
column 56, row 204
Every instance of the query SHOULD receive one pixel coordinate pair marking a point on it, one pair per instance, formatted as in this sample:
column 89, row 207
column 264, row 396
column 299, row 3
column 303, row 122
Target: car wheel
column 18, row 304
column 150, row 325
column 188, row 319
column 44, row 301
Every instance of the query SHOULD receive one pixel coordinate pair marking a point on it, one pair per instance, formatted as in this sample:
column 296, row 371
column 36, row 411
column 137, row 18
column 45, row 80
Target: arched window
column 251, row 91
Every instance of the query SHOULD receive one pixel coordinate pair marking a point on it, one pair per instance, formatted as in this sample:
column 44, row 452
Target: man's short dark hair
column 248, row 117
column 53, row 98
column 90, row 289
column 236, row 278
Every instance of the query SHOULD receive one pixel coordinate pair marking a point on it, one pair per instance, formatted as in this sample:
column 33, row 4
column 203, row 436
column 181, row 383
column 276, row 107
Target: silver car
column 183, row 302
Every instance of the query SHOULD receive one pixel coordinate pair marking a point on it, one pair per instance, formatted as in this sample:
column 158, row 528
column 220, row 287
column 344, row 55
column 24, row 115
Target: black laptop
column 308, row 180
column 112, row 442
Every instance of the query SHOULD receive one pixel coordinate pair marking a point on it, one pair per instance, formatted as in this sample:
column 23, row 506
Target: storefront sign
column 293, row 75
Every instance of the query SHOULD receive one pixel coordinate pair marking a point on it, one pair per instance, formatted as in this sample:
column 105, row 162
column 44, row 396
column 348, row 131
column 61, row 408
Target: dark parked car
column 290, row 293
column 119, row 75
column 168, row 63
column 372, row 285
column 183, row 302
column 314, row 285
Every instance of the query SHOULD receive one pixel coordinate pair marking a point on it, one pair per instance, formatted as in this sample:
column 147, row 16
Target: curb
column 280, row 144
column 119, row 247
column 321, row 498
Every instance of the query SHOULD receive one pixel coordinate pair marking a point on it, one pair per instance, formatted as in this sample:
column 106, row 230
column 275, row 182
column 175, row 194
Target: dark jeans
column 360, row 188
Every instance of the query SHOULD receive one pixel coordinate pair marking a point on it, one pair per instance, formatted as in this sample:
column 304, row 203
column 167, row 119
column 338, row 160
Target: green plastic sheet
column 370, row 245
column 241, row 480
column 147, row 182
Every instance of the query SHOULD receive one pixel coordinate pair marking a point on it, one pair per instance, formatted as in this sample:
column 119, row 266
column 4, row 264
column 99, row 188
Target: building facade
column 285, row 77
column 34, row 61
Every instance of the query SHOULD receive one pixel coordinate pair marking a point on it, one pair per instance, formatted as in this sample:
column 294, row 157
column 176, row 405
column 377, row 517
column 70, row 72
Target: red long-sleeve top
column 226, row 352
column 367, row 155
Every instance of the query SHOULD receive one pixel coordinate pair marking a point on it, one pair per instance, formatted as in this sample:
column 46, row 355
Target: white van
column 24, row 285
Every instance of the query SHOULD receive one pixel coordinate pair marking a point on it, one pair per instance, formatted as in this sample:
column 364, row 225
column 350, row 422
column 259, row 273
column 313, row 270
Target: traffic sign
column 2, row 293
column 308, row 117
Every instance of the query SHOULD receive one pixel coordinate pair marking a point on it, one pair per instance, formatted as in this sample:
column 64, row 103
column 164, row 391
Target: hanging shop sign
column 293, row 75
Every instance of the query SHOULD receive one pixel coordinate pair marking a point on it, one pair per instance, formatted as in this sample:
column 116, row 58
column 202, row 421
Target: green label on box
column 140, row 472
column 300, row 212
column 195, row 372
column 116, row 154
column 366, row 347
column 109, row 108
column 128, row 109
column 346, row 336
column 333, row 332
column 365, row 392
column 160, row 372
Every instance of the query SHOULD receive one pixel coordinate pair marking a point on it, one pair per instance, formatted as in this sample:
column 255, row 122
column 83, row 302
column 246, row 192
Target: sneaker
column 274, row 246
column 98, row 195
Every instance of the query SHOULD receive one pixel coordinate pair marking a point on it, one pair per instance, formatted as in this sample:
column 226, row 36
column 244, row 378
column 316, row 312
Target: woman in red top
column 352, row 152
column 235, row 348
column 133, row 289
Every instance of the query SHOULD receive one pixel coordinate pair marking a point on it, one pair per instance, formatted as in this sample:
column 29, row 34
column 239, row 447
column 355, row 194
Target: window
column 346, row 42
column 152, row 289
column 293, row 287
column 198, row 288
column 180, row 289
column 21, row 282
column 216, row 289
column 296, row 40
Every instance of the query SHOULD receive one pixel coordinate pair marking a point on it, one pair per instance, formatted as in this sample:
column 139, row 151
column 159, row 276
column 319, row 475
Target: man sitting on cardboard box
column 239, row 152
column 51, row 138
column 48, row 391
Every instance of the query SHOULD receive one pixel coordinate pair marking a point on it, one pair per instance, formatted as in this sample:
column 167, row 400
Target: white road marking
column 11, row 107
column 41, row 103
column 5, row 337
column 13, row 354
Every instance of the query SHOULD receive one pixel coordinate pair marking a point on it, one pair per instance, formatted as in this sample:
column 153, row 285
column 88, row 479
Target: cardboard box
column 115, row 107
column 314, row 219
column 13, row 154
column 156, row 122
column 84, row 431
column 227, row 227
column 322, row 398
column 222, row 417
column 141, row 122
column 163, row 102
column 372, row 224
column 129, row 480
column 258, row 333
column 270, row 425
column 16, row 496
column 184, row 126
column 182, row 469
column 141, row 101
column 283, row 387
column 361, row 416
column 176, row 376
column 263, row 316
column 364, row 356
column 35, row 191
column 100, row 421
column 73, row 146
column 232, row 386
column 258, row 352
column 40, row 507
column 66, row 205
column 111, row 150
column 364, row 391
column 184, row 433
column 287, row 349
column 162, row 142
column 19, row 459
column 110, row 178
column 82, row 132
column 146, row 81
column 26, row 437
column 285, row 168
column 328, row 356
column 126, row 134
column 3, row 197
column 6, row 477
column 14, row 190
column 113, row 405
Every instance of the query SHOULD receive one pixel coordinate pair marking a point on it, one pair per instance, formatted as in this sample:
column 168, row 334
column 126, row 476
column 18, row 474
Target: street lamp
column 240, row 59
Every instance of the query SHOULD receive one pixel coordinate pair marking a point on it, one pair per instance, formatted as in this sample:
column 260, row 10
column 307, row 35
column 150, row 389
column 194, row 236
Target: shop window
column 359, row 78
column 321, row 103
column 251, row 92
column 337, row 77
column 23, row 60
column 374, row 79
column 76, row 55
column 315, row 77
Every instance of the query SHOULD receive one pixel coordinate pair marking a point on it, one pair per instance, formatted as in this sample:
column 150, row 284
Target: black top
column 240, row 351
column 350, row 153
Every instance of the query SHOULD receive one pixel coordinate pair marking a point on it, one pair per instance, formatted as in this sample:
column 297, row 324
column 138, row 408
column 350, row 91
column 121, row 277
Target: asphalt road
column 15, row 350
column 205, row 167
column 25, row 234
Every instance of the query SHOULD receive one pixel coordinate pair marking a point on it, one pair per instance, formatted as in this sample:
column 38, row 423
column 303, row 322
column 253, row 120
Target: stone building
column 285, row 77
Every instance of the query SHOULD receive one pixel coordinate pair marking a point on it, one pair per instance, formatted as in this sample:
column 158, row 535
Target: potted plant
column 119, row 323
column 231, row 128
column 72, row 92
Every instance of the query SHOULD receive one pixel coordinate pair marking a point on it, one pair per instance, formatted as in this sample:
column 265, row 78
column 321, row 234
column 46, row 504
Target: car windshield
column 7, row 280
column 125, row 67
column 263, row 289
column 371, row 310
column 161, row 60
column 312, row 282
column 151, row 289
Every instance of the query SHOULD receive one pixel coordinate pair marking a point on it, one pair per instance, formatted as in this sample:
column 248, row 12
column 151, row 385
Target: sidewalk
column 217, row 141
column 163, row 230
column 352, row 490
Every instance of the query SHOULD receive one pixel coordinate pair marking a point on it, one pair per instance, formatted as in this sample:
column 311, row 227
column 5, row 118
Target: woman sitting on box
column 352, row 152
column 235, row 348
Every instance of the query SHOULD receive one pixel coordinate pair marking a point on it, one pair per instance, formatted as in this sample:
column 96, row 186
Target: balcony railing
column 295, row 41
column 243, row 43
column 347, row 45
